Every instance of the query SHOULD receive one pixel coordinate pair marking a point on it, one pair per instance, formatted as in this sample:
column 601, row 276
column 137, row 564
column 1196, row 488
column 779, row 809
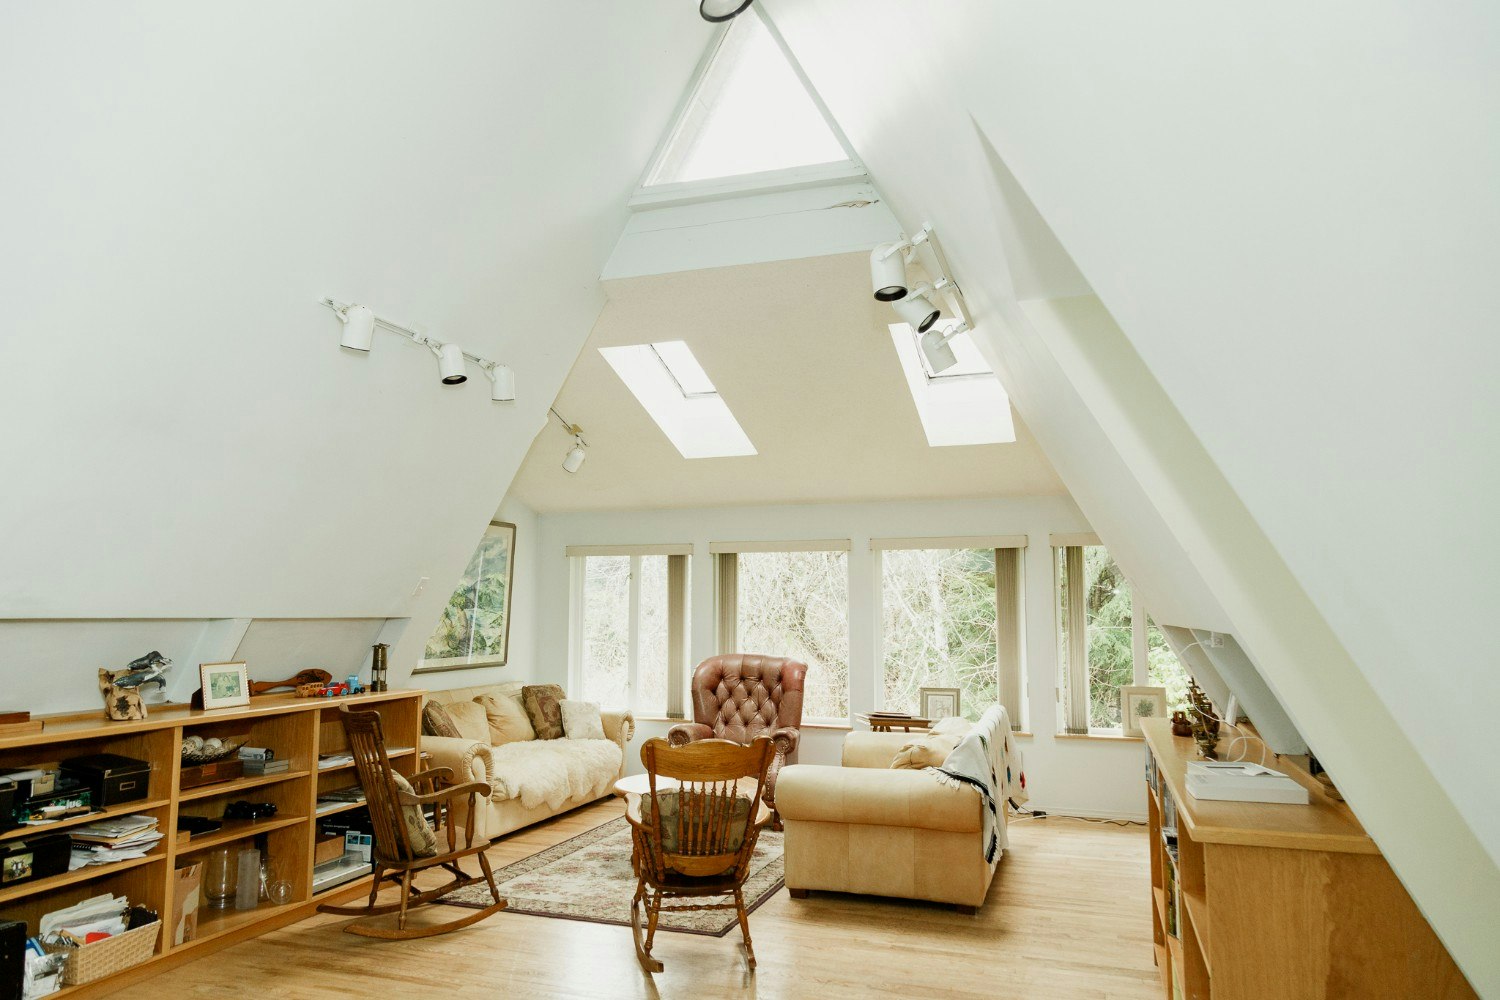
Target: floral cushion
column 437, row 722
column 543, row 704
column 421, row 836
column 669, row 807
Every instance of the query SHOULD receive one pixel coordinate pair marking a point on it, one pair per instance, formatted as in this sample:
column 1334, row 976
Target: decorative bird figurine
column 148, row 669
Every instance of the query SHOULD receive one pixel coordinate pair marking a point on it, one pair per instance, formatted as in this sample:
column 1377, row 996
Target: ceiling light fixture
column 359, row 331
column 940, row 356
column 916, row 306
column 722, row 10
column 916, row 310
column 573, row 460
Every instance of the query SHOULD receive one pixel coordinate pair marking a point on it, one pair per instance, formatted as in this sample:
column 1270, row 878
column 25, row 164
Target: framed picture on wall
column 474, row 628
column 1137, row 703
column 938, row 703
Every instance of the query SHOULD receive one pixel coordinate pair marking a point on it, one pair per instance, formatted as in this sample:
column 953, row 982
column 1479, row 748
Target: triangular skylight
column 749, row 113
column 677, row 393
column 965, row 404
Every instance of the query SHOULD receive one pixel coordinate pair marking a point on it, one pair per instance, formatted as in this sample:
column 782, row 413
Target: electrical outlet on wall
column 1216, row 640
column 422, row 585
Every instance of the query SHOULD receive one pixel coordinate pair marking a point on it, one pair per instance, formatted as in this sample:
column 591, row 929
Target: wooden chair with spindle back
column 694, row 834
column 404, row 842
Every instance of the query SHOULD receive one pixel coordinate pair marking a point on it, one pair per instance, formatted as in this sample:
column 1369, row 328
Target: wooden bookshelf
column 1279, row 902
column 298, row 729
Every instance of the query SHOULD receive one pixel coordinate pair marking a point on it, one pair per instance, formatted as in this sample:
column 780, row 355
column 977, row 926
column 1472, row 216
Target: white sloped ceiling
column 183, row 182
column 1266, row 381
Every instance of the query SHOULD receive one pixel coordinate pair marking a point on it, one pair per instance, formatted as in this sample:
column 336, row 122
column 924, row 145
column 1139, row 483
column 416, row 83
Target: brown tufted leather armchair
column 739, row 696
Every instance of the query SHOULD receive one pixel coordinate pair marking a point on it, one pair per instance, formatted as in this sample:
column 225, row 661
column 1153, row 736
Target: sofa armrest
column 786, row 739
column 874, row 749
column 868, row 797
column 684, row 733
column 619, row 729
column 470, row 760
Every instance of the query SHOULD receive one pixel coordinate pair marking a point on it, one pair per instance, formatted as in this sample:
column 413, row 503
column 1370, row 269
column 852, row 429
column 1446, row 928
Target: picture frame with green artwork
column 474, row 627
column 1141, row 702
column 225, row 685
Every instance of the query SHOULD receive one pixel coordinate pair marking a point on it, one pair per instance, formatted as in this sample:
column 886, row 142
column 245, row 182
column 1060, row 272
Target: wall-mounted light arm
column 359, row 326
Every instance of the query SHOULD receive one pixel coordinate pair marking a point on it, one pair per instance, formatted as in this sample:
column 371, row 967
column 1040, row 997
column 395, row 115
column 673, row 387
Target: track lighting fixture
column 359, row 327
column 940, row 356
column 502, row 382
column 917, row 310
column 573, row 460
column 722, row 10
column 888, row 272
column 359, row 331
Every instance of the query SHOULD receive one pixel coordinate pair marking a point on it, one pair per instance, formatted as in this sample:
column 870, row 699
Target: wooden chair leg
column 654, row 911
column 405, row 898
column 375, row 886
column 489, row 876
column 642, row 950
column 739, row 907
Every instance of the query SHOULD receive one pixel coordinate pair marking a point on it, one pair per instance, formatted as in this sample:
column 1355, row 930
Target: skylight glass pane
column 678, row 359
column 749, row 113
column 700, row 426
column 964, row 410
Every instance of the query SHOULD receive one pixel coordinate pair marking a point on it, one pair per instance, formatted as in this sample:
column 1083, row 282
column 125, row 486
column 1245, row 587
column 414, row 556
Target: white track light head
column 917, row 309
column 888, row 272
column 722, row 10
column 502, row 383
column 940, row 356
column 573, row 460
column 359, row 327
column 451, row 364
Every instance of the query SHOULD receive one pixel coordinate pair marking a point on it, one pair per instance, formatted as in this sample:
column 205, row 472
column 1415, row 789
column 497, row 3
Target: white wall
column 1096, row 778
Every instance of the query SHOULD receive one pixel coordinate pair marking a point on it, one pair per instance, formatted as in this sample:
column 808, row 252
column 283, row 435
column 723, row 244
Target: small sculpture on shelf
column 1181, row 724
column 122, row 688
column 1205, row 724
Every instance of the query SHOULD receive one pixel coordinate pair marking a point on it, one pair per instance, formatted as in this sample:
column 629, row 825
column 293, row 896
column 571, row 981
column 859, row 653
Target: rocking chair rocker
column 404, row 844
column 695, row 839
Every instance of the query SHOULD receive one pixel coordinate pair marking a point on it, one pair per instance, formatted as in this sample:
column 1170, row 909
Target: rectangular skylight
column 677, row 393
column 970, row 407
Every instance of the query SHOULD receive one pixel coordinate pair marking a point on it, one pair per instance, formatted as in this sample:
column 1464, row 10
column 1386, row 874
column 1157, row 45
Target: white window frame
column 577, row 582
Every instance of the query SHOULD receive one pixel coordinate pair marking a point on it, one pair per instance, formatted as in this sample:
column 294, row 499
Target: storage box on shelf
column 1277, row 902
column 297, row 729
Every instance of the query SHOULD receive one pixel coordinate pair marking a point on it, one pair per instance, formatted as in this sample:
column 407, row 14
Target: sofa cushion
column 924, row 751
column 421, row 836
column 553, row 772
column 469, row 720
column 953, row 725
column 437, row 722
column 543, row 703
column 506, row 718
column 582, row 720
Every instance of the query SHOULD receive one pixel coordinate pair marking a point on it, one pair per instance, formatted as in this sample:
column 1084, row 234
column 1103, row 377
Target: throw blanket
column 552, row 771
column 986, row 759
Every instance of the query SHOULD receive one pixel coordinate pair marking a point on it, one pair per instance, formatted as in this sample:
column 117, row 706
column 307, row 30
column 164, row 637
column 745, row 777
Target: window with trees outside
column 1106, row 641
column 793, row 604
column 944, row 623
column 630, row 630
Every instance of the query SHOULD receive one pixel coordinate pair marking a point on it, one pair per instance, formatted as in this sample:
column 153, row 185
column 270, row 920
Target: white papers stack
column 118, row 838
column 1242, row 782
column 105, row 914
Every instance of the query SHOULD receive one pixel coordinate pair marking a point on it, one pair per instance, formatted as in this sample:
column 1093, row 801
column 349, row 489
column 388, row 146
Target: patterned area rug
column 588, row 877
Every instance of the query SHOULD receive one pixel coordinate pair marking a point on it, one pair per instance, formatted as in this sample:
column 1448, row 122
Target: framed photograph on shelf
column 474, row 629
column 938, row 703
column 1137, row 703
column 225, row 685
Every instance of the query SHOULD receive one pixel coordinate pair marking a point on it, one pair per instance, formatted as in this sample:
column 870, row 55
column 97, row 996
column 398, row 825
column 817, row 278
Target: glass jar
column 221, row 878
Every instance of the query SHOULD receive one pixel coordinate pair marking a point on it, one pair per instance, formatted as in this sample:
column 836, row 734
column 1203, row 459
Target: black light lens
column 722, row 10
column 890, row 293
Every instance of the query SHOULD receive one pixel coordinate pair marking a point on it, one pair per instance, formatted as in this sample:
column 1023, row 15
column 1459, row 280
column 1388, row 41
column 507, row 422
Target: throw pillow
column 543, row 703
column 953, row 725
column 669, row 807
column 437, row 722
column 423, row 839
column 507, row 720
column 924, row 751
column 470, row 721
column 582, row 720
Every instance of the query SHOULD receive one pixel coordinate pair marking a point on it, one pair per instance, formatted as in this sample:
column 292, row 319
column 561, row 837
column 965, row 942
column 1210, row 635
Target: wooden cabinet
column 297, row 729
column 1262, row 901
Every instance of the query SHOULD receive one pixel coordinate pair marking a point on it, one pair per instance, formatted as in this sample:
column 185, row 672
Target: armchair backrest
column 742, row 695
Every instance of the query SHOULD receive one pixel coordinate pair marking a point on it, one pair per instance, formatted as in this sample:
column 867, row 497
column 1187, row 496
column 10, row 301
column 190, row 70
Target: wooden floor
column 1068, row 916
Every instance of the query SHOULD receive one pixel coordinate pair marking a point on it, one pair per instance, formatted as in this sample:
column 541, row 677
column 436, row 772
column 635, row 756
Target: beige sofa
column 865, row 828
column 531, row 780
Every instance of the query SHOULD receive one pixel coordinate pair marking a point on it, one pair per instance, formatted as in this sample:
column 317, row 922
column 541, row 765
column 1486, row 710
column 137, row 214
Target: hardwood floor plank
column 1068, row 918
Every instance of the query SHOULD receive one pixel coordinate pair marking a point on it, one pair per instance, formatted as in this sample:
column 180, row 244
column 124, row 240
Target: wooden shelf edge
column 237, row 785
column 128, row 809
column 239, row 831
column 85, row 874
column 1197, row 909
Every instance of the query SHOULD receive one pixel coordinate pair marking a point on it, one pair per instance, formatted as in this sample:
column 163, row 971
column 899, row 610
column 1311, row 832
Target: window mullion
column 633, row 641
column 1139, row 653
column 1078, row 657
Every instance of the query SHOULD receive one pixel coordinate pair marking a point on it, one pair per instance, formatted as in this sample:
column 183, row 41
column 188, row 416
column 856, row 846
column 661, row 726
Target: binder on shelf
column 1242, row 781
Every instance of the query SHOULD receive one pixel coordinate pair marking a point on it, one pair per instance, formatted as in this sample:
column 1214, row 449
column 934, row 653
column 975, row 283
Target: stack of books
column 1242, row 781
column 114, row 839
column 259, row 761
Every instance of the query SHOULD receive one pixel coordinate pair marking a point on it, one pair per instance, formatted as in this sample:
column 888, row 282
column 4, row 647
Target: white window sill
column 1100, row 737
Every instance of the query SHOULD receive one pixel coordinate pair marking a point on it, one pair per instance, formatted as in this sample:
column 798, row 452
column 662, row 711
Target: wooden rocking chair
column 694, row 837
column 401, row 849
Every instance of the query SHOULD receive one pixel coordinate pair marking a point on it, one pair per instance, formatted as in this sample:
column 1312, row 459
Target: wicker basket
column 88, row 962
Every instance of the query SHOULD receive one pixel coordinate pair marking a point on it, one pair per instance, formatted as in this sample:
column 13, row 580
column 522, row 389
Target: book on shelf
column 261, row 768
column 113, row 830
column 327, row 760
column 1242, row 781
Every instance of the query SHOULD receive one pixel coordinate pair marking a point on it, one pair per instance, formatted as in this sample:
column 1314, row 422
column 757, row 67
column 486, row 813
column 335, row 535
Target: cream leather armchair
column 865, row 828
